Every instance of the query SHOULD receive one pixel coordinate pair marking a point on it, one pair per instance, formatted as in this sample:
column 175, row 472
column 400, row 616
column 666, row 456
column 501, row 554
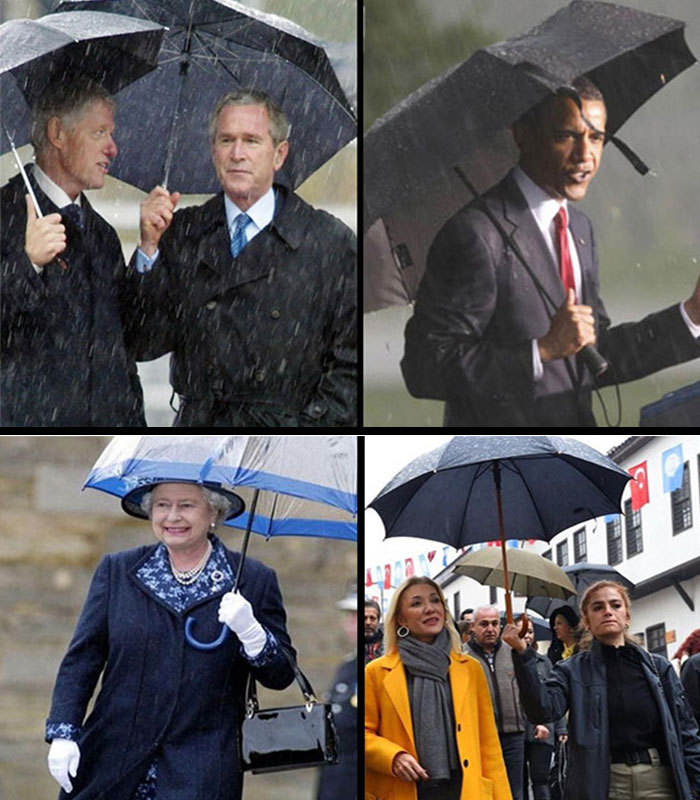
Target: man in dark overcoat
column 481, row 337
column 63, row 356
column 252, row 292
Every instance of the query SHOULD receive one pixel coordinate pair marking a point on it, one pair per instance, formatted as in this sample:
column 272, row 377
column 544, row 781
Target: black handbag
column 293, row 737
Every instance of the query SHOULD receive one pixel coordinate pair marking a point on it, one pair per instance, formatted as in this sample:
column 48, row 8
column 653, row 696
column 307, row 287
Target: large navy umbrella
column 213, row 47
column 462, row 119
column 475, row 488
column 581, row 575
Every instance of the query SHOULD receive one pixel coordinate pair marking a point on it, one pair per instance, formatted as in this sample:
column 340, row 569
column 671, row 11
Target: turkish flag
column 639, row 485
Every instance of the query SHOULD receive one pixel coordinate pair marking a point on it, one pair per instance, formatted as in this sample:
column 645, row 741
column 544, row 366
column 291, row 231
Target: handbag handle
column 251, row 695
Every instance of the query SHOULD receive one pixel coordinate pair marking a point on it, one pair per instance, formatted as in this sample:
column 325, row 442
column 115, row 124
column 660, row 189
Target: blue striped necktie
column 238, row 239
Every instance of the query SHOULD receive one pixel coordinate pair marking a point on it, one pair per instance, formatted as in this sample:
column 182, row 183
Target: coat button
column 275, row 313
column 466, row 762
column 260, row 375
column 211, row 305
column 459, row 728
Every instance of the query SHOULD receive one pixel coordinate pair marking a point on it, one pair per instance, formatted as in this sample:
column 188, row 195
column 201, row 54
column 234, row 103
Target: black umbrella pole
column 246, row 538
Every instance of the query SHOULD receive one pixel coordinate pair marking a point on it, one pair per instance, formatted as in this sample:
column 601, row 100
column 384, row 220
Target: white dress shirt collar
column 542, row 205
column 52, row 190
column 261, row 212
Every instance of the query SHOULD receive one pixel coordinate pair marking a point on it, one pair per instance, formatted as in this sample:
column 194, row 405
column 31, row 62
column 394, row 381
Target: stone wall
column 52, row 536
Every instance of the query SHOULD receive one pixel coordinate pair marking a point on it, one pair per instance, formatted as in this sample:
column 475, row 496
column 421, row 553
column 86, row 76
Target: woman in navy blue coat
column 166, row 723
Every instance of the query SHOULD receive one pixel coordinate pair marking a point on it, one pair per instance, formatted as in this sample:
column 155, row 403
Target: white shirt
column 260, row 213
column 544, row 209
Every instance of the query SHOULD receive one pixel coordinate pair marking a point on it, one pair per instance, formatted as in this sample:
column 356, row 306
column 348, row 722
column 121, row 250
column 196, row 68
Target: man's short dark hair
column 375, row 605
column 584, row 87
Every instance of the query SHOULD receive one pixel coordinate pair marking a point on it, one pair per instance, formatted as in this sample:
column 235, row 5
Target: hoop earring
column 402, row 632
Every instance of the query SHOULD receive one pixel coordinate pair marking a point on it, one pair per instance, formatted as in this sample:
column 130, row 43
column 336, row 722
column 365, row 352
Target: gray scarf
column 431, row 703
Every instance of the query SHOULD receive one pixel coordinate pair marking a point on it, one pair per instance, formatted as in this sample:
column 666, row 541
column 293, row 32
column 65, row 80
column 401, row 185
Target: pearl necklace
column 190, row 576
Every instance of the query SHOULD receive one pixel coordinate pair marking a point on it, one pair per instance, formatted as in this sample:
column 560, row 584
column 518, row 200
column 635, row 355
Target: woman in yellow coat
column 429, row 727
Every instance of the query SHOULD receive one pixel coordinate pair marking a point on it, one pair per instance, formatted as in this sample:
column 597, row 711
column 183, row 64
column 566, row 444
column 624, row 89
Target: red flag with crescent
column 639, row 485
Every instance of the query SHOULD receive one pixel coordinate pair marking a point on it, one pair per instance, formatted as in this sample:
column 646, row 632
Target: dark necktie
column 566, row 267
column 238, row 239
column 75, row 214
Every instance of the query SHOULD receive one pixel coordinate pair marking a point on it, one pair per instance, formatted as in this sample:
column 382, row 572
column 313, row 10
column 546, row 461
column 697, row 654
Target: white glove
column 64, row 757
column 236, row 612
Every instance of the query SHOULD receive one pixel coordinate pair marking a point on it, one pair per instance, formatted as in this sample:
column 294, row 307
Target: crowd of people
column 470, row 709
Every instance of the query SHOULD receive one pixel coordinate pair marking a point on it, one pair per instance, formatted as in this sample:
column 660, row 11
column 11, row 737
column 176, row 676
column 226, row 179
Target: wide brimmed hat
column 131, row 503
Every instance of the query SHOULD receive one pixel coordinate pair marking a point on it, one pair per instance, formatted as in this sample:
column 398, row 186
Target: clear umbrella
column 293, row 485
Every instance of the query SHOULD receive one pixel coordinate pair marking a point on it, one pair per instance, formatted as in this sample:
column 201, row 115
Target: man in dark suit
column 64, row 361
column 253, row 292
column 481, row 337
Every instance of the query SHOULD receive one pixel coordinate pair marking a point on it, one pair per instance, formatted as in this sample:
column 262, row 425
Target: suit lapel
column 584, row 247
column 529, row 239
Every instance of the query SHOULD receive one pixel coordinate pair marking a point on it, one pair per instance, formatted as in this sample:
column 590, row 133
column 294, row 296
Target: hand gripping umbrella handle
column 189, row 637
column 189, row 622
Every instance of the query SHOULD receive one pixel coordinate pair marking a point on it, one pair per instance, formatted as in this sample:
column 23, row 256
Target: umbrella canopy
column 475, row 488
column 318, row 473
column 581, row 575
column 528, row 573
column 463, row 118
column 109, row 48
column 307, row 484
column 213, row 47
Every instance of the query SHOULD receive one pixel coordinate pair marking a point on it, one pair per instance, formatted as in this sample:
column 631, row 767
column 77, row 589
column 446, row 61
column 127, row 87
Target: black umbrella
column 213, row 47
column 463, row 117
column 581, row 575
column 475, row 488
column 109, row 48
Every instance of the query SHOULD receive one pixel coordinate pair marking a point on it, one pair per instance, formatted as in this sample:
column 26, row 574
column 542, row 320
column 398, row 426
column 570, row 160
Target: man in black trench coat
column 252, row 292
column 63, row 359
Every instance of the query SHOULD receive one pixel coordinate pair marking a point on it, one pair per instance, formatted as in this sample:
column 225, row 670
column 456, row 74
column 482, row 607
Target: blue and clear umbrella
column 292, row 485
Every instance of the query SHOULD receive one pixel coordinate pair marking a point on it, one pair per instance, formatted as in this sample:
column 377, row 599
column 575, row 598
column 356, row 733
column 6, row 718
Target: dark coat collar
column 291, row 218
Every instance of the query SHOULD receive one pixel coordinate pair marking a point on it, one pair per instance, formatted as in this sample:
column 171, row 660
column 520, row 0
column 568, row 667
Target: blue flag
column 672, row 467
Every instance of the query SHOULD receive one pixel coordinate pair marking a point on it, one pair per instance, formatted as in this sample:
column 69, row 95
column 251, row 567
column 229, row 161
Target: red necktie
column 566, row 268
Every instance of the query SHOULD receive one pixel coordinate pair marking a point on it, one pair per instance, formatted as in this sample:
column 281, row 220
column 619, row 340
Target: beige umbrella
column 528, row 573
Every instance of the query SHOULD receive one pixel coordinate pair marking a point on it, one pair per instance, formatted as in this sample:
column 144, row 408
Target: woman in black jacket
column 631, row 733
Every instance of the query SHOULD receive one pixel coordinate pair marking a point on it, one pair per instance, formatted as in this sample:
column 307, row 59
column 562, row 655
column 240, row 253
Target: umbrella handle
column 524, row 624
column 189, row 637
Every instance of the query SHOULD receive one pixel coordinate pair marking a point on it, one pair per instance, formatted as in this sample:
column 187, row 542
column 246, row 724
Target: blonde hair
column 587, row 638
column 391, row 622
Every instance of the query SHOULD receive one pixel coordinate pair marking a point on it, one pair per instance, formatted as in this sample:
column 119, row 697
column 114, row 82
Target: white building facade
column 656, row 547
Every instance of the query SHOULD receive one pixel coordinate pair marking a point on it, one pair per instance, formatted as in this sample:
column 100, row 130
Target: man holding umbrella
column 64, row 360
column 481, row 336
column 253, row 292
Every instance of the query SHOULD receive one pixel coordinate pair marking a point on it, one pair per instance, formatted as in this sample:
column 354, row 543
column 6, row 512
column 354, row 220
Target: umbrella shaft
column 502, row 536
column 244, row 548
